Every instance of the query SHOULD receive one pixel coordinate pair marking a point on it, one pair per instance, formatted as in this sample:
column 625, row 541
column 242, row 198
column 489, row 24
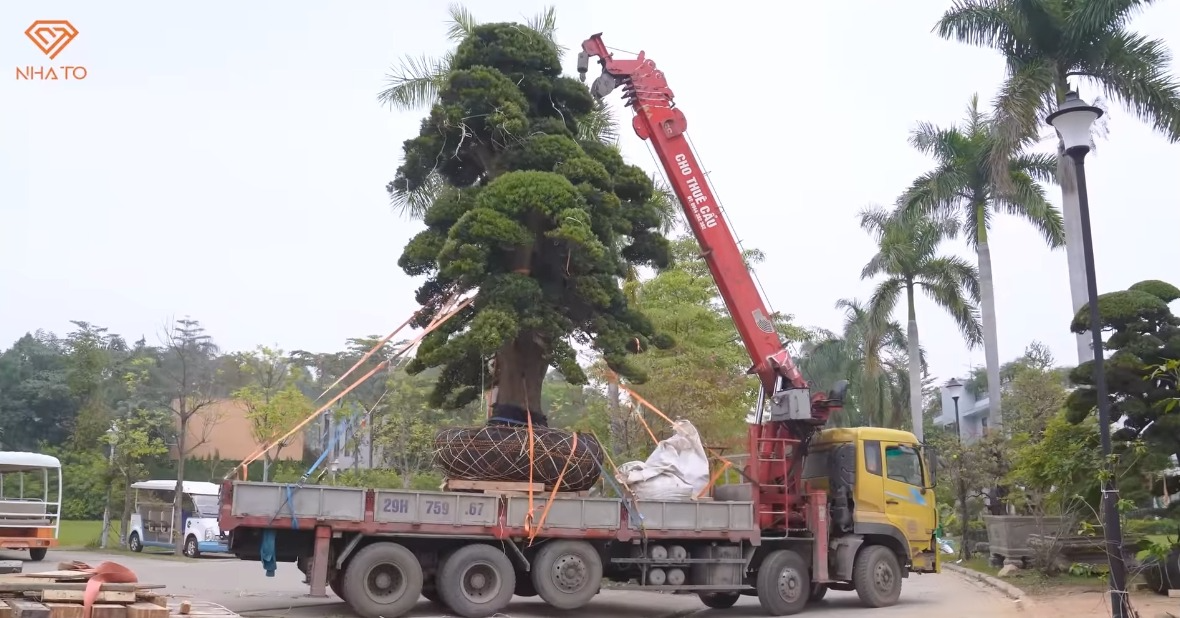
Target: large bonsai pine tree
column 541, row 224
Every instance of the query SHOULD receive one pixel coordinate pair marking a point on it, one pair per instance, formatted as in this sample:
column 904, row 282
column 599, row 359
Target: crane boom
column 658, row 120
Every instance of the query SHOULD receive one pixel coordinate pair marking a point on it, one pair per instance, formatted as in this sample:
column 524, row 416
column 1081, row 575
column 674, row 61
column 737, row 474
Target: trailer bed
column 392, row 511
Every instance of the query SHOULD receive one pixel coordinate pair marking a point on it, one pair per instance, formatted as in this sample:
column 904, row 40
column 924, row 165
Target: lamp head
column 954, row 389
column 1074, row 121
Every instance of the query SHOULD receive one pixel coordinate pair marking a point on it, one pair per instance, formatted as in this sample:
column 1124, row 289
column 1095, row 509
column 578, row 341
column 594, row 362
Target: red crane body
column 776, row 445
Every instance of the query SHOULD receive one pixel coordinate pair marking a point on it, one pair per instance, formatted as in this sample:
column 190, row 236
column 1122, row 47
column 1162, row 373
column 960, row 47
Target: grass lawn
column 79, row 534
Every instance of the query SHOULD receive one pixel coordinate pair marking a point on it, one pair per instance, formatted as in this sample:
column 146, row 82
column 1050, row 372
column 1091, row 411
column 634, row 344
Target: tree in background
column 532, row 218
column 36, row 404
column 1046, row 44
column 871, row 352
column 187, row 364
column 1143, row 334
column 907, row 255
column 962, row 187
column 274, row 404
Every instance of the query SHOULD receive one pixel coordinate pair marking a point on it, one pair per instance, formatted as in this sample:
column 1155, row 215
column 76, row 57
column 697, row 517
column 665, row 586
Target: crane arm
column 658, row 120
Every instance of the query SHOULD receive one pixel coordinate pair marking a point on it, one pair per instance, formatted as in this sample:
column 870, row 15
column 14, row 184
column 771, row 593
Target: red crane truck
column 840, row 509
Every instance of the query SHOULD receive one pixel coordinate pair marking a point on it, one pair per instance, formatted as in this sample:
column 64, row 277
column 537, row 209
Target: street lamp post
column 954, row 389
column 1073, row 122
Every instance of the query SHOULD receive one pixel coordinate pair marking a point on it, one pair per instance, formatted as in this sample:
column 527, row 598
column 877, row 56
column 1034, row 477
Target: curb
column 1012, row 592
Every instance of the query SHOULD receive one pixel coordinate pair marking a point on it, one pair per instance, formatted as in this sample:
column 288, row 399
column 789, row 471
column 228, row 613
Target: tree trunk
column 521, row 369
column 1074, row 257
column 178, row 498
column 991, row 338
column 914, row 352
column 266, row 468
column 618, row 424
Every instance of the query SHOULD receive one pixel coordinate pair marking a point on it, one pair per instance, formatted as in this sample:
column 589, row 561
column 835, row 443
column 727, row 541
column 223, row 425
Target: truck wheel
column 337, row 587
column 877, row 576
column 783, row 583
column 382, row 580
column 567, row 574
column 37, row 554
column 476, row 581
column 719, row 600
column 818, row 592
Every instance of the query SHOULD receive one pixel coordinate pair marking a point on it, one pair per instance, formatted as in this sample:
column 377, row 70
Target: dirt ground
column 1095, row 603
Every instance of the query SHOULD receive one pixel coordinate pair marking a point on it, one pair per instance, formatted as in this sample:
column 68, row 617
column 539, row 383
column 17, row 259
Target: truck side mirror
column 930, row 461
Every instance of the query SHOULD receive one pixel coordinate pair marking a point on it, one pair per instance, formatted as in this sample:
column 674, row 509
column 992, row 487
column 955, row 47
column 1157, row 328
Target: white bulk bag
column 678, row 469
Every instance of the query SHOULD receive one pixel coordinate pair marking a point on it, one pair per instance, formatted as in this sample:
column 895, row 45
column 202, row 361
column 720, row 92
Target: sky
column 228, row 161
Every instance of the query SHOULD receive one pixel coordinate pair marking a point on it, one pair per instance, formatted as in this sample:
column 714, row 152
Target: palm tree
column 417, row 80
column 1046, row 44
column 961, row 186
column 871, row 353
column 907, row 256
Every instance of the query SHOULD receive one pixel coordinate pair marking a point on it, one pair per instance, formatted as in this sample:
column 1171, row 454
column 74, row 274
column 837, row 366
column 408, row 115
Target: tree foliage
column 541, row 224
column 274, row 403
column 1142, row 335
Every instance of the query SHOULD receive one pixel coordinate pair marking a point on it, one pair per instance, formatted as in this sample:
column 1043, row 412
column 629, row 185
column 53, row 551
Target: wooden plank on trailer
column 25, row 579
column 66, row 610
column 144, row 609
column 5, row 610
column 78, row 596
column 151, row 597
column 61, row 575
column 493, row 486
column 22, row 608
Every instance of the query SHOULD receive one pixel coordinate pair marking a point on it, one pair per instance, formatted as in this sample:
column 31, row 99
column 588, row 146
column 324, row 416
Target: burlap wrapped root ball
column 501, row 453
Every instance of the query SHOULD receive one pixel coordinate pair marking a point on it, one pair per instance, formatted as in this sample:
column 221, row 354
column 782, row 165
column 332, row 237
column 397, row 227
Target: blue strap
column 290, row 489
column 507, row 421
column 266, row 551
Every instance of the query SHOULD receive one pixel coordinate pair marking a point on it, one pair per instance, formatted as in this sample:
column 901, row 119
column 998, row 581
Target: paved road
column 244, row 587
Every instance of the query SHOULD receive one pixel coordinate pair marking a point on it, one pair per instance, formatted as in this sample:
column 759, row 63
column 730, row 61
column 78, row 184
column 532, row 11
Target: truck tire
column 337, row 587
column 37, row 554
column 382, row 580
column 818, row 592
column 476, row 581
column 567, row 574
column 877, row 576
column 719, row 600
column 783, row 584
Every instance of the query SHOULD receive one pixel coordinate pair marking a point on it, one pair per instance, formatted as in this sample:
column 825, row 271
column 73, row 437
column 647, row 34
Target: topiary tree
column 541, row 223
column 1143, row 335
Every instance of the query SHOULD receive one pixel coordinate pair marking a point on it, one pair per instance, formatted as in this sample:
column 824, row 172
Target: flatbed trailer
column 379, row 549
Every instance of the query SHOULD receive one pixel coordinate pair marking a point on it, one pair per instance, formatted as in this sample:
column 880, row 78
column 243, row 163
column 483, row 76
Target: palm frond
column 984, row 23
column 1040, row 167
column 1133, row 70
column 413, row 204
column 545, row 23
column 667, row 204
column 462, row 23
column 415, row 82
column 1026, row 199
column 599, row 125
column 1023, row 101
column 947, row 293
column 930, row 139
column 1092, row 18
column 885, row 297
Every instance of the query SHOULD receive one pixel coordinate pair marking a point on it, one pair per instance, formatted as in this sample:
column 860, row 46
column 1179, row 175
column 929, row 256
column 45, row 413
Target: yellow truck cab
column 880, row 485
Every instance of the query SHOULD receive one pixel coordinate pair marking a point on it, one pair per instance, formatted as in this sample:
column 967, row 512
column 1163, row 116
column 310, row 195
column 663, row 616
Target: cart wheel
column 134, row 544
column 567, row 574
column 190, row 547
column 382, row 580
column 719, row 600
column 783, row 583
column 37, row 554
column 877, row 576
column 476, row 581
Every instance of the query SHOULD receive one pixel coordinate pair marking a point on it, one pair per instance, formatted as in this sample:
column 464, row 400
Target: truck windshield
column 206, row 505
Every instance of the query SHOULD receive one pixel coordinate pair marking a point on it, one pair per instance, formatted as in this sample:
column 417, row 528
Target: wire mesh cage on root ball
column 501, row 453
